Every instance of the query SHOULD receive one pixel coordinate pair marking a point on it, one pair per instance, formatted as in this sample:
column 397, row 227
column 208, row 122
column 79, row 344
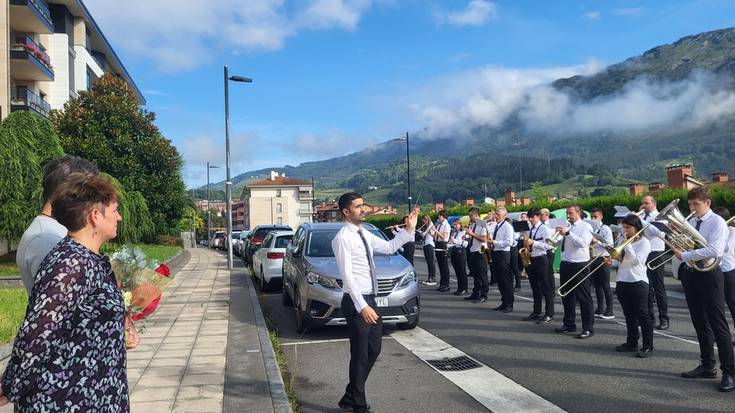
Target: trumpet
column 616, row 253
column 555, row 239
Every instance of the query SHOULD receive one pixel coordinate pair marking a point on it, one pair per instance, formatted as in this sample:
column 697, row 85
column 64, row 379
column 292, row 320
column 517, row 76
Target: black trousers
column 408, row 251
column 515, row 265
column 504, row 276
column 550, row 255
column 429, row 255
column 705, row 296
column 538, row 277
column 582, row 293
column 633, row 297
column 729, row 278
column 459, row 263
column 657, row 289
column 601, row 282
column 443, row 263
column 478, row 271
column 365, row 345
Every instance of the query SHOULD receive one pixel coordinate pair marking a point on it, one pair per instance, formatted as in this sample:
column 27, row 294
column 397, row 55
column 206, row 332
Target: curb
column 273, row 373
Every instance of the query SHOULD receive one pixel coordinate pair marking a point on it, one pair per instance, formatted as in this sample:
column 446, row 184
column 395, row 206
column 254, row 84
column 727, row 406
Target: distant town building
column 635, row 189
column 278, row 200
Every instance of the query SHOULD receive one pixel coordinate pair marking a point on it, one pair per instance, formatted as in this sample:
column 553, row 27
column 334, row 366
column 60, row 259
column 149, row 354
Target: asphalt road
column 576, row 375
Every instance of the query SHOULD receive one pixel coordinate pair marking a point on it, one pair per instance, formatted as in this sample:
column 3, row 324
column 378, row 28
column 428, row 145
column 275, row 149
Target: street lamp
column 209, row 213
column 408, row 169
column 228, row 183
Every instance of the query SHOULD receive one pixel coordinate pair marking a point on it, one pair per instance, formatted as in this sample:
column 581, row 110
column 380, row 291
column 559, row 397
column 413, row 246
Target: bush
column 170, row 240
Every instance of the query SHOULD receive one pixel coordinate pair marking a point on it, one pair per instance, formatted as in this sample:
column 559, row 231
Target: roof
column 279, row 181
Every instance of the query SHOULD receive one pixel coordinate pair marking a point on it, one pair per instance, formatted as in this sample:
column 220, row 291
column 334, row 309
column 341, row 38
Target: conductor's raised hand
column 412, row 219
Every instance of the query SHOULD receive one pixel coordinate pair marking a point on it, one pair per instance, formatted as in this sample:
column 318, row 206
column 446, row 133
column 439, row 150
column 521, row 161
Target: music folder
column 521, row 226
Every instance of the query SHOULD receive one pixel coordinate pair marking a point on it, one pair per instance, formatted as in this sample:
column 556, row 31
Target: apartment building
column 278, row 200
column 49, row 51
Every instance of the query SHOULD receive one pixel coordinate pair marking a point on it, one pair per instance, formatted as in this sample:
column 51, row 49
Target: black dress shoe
column 700, row 373
column 471, row 297
column 728, row 383
column 644, row 353
column 585, row 334
column 664, row 325
column 480, row 300
column 545, row 319
column 508, row 310
column 564, row 329
column 532, row 317
column 501, row 307
column 443, row 289
column 518, row 288
column 349, row 406
column 626, row 348
column 462, row 292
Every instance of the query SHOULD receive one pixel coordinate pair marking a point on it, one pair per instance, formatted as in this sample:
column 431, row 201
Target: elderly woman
column 69, row 354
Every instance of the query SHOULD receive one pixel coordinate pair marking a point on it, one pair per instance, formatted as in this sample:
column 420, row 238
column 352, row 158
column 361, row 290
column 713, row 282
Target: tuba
column 683, row 236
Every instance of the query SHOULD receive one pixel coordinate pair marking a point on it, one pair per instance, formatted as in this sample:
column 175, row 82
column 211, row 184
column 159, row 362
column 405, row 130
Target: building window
column 278, row 193
column 279, row 221
column 279, row 208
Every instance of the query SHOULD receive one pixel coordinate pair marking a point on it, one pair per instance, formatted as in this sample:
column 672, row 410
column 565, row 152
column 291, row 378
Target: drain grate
column 460, row 363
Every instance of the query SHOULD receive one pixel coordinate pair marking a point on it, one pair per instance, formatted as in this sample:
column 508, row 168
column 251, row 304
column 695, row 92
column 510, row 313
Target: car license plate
column 382, row 301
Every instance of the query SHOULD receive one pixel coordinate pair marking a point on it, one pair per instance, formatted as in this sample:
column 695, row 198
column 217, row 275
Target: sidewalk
column 200, row 354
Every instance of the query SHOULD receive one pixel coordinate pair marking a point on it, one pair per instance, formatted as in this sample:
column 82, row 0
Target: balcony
column 22, row 98
column 30, row 16
column 28, row 60
column 306, row 196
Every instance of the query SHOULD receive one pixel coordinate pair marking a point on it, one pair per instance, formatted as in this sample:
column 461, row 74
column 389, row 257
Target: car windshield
column 320, row 243
column 235, row 235
column 281, row 242
column 260, row 233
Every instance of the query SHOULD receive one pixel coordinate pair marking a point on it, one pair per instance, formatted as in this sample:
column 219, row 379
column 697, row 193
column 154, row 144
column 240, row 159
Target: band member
column 490, row 227
column 502, row 239
column 441, row 236
column 538, row 272
column 575, row 254
column 408, row 248
column 601, row 276
column 727, row 262
column 458, row 252
column 353, row 249
column 632, row 289
column 477, row 235
column 515, row 258
column 704, row 292
column 551, row 253
column 426, row 232
column 657, row 288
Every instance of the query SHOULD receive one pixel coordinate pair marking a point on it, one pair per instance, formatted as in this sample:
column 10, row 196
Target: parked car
column 313, row 287
column 237, row 246
column 257, row 235
column 235, row 236
column 218, row 239
column 268, row 259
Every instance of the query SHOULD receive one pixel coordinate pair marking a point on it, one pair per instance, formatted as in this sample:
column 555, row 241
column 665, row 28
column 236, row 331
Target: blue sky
column 333, row 76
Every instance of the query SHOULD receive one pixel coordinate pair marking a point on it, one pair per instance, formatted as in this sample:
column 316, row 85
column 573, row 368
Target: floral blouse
column 69, row 355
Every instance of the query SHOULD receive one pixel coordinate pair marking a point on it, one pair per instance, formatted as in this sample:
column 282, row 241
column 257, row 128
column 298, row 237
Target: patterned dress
column 69, row 355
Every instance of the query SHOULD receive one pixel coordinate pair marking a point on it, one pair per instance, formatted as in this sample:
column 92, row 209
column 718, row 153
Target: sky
column 334, row 76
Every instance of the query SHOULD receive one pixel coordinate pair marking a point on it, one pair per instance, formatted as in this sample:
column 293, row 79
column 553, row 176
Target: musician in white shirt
column 601, row 277
column 657, row 288
column 441, row 236
column 353, row 250
column 538, row 275
column 408, row 248
column 632, row 289
column 458, row 251
column 551, row 253
column 704, row 292
column 427, row 232
column 476, row 233
column 503, row 238
column 727, row 261
column 575, row 254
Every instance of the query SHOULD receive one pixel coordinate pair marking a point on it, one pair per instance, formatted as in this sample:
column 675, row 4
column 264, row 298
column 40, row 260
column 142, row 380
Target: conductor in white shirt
column 353, row 249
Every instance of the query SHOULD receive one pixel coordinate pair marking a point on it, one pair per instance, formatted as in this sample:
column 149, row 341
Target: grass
column 13, row 302
column 288, row 378
column 155, row 252
column 8, row 269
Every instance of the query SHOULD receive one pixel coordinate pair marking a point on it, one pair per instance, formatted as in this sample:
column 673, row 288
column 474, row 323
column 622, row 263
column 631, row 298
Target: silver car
column 312, row 285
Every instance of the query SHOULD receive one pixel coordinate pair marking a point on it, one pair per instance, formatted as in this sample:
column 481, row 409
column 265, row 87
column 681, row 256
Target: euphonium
column 684, row 237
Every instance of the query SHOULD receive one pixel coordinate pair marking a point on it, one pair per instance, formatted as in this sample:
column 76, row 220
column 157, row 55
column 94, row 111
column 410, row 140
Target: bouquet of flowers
column 141, row 283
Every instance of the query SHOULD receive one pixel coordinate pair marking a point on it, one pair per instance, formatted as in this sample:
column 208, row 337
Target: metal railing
column 22, row 41
column 22, row 96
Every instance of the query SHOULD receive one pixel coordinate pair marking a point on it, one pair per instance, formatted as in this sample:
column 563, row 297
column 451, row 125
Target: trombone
column 616, row 253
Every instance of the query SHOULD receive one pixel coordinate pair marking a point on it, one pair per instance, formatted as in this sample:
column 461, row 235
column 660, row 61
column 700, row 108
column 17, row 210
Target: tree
column 107, row 126
column 538, row 192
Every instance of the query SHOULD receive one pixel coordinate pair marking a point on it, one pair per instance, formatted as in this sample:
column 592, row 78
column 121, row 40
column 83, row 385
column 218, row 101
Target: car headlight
column 324, row 281
column 407, row 279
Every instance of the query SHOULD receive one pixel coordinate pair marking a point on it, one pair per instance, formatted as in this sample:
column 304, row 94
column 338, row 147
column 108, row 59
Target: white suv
column 268, row 259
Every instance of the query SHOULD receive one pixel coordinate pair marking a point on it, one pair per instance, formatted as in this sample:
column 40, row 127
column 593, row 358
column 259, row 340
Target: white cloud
column 477, row 13
column 183, row 34
column 324, row 145
column 628, row 11
column 198, row 150
column 592, row 15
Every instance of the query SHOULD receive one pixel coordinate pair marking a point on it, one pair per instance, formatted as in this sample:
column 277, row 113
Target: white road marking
column 490, row 388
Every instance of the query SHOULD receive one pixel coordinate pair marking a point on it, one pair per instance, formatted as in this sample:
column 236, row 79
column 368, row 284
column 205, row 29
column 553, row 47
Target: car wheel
column 263, row 284
column 300, row 322
column 410, row 325
column 285, row 298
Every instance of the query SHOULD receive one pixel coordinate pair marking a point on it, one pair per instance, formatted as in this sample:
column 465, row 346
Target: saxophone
column 525, row 253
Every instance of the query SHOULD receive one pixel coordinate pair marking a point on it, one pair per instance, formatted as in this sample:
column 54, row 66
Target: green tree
column 28, row 142
column 107, row 126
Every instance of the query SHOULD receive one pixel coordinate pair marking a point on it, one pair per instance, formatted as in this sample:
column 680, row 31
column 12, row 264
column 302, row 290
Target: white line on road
column 493, row 390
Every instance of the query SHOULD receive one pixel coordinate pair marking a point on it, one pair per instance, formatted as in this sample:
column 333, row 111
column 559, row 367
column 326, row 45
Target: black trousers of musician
column 538, row 277
column 459, row 263
column 550, row 255
column 601, row 282
column 515, row 265
column 504, row 276
column 633, row 297
column 705, row 296
column 583, row 294
column 657, row 289
column 729, row 278
column 365, row 345
column 443, row 263
column 429, row 255
column 478, row 271
column 408, row 251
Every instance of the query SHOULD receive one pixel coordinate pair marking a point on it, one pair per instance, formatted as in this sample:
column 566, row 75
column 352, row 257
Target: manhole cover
column 460, row 363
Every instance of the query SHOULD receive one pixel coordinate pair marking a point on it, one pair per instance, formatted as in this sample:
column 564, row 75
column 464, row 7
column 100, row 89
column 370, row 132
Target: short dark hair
column 596, row 209
column 533, row 212
column 576, row 208
column 723, row 212
column 700, row 192
column 634, row 221
column 77, row 195
column 345, row 201
column 57, row 170
column 474, row 210
column 443, row 213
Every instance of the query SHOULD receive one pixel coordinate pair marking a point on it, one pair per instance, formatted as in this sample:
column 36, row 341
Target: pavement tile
column 140, row 355
column 135, row 364
column 152, row 407
column 199, row 392
column 168, row 362
column 216, row 360
column 148, row 380
column 165, row 371
column 185, row 352
column 141, row 394
column 183, row 339
column 203, row 379
column 199, row 406
column 213, row 351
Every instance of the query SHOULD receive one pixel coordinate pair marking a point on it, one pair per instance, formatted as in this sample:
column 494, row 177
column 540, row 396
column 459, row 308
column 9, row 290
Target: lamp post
column 228, row 183
column 209, row 212
column 408, row 168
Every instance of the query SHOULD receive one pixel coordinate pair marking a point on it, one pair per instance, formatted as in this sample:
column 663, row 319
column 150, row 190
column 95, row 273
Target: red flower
column 163, row 270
